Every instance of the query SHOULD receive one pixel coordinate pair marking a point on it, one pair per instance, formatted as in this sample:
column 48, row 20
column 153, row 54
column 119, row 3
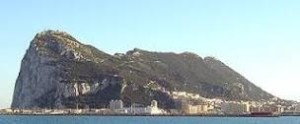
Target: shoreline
column 147, row 115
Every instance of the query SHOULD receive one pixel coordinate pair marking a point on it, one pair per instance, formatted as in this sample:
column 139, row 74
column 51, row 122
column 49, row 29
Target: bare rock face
column 35, row 79
column 57, row 71
column 46, row 78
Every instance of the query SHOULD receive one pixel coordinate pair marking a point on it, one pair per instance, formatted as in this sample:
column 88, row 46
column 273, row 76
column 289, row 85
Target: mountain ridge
column 58, row 71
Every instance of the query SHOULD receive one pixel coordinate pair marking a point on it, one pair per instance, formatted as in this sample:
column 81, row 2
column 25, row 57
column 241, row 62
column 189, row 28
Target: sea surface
column 13, row 119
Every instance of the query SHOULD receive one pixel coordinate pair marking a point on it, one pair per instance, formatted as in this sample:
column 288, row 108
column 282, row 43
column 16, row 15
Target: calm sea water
column 143, row 120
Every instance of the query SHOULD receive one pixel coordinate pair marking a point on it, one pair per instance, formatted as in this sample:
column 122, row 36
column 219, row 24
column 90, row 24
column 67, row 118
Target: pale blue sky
column 258, row 38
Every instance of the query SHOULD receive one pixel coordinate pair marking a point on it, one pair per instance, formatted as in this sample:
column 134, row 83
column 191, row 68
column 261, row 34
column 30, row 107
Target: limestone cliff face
column 57, row 71
column 46, row 78
column 35, row 79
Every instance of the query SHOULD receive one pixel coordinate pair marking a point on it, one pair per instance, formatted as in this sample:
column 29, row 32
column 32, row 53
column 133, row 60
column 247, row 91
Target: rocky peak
column 56, row 44
column 50, row 39
column 52, row 33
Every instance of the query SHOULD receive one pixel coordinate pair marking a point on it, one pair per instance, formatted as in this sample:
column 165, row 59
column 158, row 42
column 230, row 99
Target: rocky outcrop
column 46, row 77
column 60, row 72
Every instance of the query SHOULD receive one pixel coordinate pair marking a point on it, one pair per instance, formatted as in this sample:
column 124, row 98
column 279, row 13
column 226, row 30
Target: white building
column 117, row 106
column 152, row 109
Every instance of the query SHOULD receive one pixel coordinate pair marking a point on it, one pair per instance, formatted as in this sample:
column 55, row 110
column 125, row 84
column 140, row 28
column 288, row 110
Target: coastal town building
column 117, row 106
column 234, row 108
column 9, row 111
column 254, row 109
column 193, row 108
column 297, row 108
column 276, row 109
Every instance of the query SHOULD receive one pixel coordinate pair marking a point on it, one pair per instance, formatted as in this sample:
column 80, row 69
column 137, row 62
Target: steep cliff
column 58, row 71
